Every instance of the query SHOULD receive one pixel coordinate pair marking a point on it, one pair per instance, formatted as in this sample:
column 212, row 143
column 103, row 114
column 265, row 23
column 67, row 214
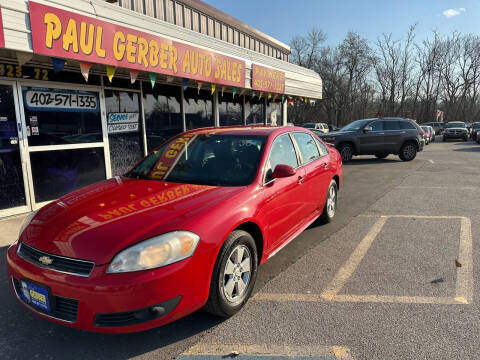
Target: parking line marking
column 278, row 297
column 464, row 281
column 262, row 350
column 437, row 187
column 465, row 272
column 347, row 269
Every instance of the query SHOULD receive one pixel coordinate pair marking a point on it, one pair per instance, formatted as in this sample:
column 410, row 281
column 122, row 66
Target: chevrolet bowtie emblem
column 45, row 260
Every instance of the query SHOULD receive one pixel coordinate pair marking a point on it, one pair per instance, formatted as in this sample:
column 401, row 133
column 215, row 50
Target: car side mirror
column 367, row 129
column 283, row 171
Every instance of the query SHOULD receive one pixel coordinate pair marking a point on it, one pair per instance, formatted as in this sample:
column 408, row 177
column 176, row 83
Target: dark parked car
column 455, row 130
column 379, row 137
column 475, row 129
column 332, row 127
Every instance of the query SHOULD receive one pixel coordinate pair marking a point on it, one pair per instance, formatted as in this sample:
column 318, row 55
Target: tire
column 330, row 206
column 408, row 151
column 346, row 151
column 226, row 301
column 381, row 156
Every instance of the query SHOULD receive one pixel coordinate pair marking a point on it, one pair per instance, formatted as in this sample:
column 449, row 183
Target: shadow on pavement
column 24, row 335
column 469, row 149
column 362, row 161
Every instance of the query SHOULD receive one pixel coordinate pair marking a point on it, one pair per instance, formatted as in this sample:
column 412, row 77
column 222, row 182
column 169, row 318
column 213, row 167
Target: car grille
column 456, row 132
column 62, row 308
column 59, row 263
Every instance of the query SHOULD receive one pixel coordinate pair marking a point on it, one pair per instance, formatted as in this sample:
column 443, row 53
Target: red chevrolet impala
column 186, row 228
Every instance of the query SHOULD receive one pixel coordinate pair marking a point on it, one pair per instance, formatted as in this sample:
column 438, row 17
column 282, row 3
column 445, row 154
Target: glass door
column 64, row 139
column 13, row 190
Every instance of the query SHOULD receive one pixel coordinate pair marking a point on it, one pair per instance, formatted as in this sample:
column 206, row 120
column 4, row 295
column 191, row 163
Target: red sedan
column 186, row 228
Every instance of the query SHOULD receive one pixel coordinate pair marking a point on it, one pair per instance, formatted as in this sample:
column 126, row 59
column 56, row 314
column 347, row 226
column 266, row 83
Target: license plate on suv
column 35, row 295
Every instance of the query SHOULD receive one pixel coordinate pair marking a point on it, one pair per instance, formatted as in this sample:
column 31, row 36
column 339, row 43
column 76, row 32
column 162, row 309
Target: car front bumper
column 113, row 303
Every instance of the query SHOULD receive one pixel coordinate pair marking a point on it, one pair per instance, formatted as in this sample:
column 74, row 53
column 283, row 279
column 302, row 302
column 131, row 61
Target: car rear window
column 407, row 125
column 391, row 125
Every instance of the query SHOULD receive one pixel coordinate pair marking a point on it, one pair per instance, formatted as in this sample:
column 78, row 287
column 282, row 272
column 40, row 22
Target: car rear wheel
column 331, row 203
column 408, row 151
column 381, row 156
column 234, row 275
column 346, row 151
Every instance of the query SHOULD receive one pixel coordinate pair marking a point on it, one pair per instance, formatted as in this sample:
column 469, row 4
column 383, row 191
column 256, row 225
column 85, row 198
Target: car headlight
column 27, row 222
column 155, row 252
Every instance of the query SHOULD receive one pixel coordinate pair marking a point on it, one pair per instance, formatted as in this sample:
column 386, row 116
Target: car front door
column 284, row 200
column 372, row 141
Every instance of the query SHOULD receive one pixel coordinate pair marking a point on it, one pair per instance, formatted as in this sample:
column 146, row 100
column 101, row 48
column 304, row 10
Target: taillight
column 422, row 133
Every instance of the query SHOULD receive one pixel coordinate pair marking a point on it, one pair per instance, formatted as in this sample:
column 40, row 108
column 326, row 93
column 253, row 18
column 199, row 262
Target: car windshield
column 455, row 125
column 203, row 159
column 309, row 125
column 356, row 125
column 476, row 126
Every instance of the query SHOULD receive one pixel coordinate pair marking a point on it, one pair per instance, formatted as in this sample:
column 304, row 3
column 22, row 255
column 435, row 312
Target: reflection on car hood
column 455, row 128
column 338, row 133
column 96, row 222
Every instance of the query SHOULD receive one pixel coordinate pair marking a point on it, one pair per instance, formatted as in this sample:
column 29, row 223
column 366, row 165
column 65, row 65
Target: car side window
column 406, row 125
column 376, row 125
column 391, row 125
column 322, row 147
column 307, row 146
column 282, row 152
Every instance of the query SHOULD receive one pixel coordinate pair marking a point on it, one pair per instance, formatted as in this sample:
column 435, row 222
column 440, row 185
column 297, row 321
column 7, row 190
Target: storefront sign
column 60, row 100
column 268, row 80
column 122, row 122
column 2, row 37
column 64, row 34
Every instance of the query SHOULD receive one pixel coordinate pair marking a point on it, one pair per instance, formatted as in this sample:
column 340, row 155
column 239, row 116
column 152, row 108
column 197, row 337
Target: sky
column 283, row 19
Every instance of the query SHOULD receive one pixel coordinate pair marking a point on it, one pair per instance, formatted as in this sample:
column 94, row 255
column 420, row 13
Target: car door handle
column 324, row 165
column 300, row 179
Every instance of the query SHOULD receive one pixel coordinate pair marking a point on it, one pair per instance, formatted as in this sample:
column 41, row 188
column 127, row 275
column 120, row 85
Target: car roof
column 246, row 130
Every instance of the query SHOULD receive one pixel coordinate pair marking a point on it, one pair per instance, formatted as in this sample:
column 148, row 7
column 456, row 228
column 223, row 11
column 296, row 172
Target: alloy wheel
column 331, row 201
column 409, row 151
column 236, row 275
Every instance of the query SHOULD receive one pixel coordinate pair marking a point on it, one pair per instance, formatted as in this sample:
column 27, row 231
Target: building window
column 163, row 117
column 230, row 109
column 254, row 110
column 198, row 108
column 274, row 112
column 125, row 132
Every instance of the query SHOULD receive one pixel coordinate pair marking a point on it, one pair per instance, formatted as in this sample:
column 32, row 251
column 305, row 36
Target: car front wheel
column 234, row 275
column 331, row 203
column 408, row 151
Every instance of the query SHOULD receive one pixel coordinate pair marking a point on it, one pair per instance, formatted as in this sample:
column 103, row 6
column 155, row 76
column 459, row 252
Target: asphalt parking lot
column 380, row 282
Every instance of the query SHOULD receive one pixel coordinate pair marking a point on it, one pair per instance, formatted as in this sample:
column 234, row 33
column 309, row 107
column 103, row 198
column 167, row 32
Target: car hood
column 96, row 222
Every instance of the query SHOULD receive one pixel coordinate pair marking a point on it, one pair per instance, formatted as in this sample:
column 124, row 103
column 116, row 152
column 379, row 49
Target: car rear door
column 284, row 200
column 316, row 170
column 393, row 135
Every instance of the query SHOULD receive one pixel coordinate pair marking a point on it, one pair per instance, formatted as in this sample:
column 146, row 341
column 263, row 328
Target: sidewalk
column 9, row 228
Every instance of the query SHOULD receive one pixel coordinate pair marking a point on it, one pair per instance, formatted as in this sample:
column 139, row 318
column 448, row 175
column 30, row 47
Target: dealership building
column 87, row 88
